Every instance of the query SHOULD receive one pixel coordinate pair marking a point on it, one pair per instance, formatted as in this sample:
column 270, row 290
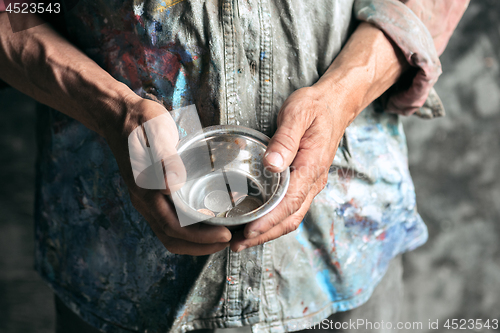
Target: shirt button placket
column 233, row 304
column 229, row 60
column 266, row 67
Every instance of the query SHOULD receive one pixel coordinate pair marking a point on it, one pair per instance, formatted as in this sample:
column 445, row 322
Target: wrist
column 117, row 113
column 367, row 66
column 339, row 97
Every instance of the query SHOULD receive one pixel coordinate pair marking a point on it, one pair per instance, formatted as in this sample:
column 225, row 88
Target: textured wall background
column 26, row 303
column 454, row 161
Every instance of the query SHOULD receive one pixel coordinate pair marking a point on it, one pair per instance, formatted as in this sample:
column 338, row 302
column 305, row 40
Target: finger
column 200, row 233
column 197, row 233
column 153, row 156
column 295, row 196
column 291, row 223
column 140, row 160
column 162, row 136
column 159, row 212
column 303, row 178
column 285, row 142
column 179, row 246
column 174, row 173
column 194, row 249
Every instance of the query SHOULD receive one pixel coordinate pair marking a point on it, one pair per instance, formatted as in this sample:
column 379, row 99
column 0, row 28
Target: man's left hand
column 307, row 138
column 312, row 121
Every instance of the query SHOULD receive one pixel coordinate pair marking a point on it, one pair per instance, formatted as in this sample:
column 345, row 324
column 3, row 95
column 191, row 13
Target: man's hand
column 42, row 64
column 154, row 205
column 311, row 123
column 309, row 131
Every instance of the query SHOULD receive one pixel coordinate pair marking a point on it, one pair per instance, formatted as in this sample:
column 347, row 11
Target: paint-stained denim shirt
column 237, row 61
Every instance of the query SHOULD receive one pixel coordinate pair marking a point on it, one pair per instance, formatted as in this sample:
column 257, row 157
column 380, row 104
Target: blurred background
column 454, row 161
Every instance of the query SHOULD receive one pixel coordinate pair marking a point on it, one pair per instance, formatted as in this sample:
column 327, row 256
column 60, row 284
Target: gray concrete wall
column 454, row 162
column 26, row 303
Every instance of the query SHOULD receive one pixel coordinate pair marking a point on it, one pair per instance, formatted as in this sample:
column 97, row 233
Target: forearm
column 311, row 123
column 367, row 66
column 45, row 66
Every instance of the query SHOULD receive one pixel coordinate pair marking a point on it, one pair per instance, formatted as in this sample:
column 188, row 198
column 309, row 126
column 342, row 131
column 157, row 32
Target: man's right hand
column 154, row 205
column 64, row 78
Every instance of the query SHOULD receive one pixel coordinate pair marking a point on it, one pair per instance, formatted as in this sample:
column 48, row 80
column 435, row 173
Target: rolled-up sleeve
column 420, row 29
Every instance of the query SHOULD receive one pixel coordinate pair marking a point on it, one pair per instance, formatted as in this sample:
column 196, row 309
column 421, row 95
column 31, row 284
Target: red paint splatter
column 128, row 57
column 165, row 63
column 332, row 235
column 336, row 264
column 131, row 70
column 381, row 236
column 305, row 310
column 358, row 218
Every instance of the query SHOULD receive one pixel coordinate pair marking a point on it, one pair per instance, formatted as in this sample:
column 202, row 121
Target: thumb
column 154, row 159
column 284, row 144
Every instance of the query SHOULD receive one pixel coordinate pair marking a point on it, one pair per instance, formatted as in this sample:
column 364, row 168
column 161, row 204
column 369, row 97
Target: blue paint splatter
column 300, row 237
column 323, row 279
column 179, row 91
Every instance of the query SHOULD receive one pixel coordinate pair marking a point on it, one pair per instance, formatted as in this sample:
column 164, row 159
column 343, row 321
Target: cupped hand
column 154, row 204
column 307, row 137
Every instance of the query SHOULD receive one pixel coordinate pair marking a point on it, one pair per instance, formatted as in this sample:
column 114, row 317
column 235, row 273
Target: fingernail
column 224, row 239
column 172, row 177
column 241, row 248
column 275, row 159
column 252, row 234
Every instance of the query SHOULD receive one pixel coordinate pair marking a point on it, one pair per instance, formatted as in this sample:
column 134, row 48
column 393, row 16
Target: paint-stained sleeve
column 421, row 29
